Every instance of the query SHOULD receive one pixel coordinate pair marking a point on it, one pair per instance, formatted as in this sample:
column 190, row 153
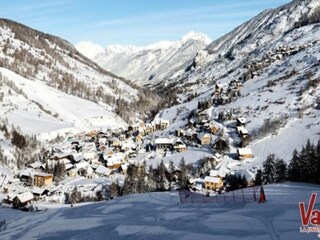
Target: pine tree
column 294, row 172
column 75, row 196
column 280, row 171
column 269, row 169
column 161, row 177
column 183, row 179
column 258, row 178
column 114, row 190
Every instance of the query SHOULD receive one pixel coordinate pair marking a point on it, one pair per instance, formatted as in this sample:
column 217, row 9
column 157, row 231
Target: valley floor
column 161, row 216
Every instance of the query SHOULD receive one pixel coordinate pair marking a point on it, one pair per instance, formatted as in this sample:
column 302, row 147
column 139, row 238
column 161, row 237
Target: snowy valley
column 81, row 124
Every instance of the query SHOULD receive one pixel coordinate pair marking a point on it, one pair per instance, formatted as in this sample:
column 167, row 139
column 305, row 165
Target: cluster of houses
column 281, row 52
column 107, row 154
column 225, row 93
column 91, row 155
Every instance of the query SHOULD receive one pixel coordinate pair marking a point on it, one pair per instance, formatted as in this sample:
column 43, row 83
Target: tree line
column 304, row 166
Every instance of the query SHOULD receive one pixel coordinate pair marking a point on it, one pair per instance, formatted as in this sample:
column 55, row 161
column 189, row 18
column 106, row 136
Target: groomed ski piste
column 162, row 216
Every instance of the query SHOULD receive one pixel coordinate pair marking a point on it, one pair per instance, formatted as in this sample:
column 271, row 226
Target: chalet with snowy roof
column 102, row 171
column 204, row 138
column 22, row 200
column 179, row 145
column 212, row 183
column 241, row 122
column 164, row 143
column 26, row 176
column 242, row 131
column 218, row 173
column 213, row 128
column 37, row 165
column 123, row 169
column 180, row 132
column 244, row 153
column 40, row 192
column 42, row 179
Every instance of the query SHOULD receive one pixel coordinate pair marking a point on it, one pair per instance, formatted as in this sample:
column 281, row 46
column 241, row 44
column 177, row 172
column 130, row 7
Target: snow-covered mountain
column 46, row 84
column 89, row 49
column 151, row 64
column 275, row 56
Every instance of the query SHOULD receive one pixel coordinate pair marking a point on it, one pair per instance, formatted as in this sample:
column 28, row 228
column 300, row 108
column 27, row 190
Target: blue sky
column 137, row 22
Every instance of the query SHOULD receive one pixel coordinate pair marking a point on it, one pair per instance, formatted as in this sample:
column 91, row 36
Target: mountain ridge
column 149, row 64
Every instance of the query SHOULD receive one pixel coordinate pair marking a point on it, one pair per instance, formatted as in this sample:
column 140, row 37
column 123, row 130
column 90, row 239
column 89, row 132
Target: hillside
column 151, row 64
column 127, row 218
column 276, row 64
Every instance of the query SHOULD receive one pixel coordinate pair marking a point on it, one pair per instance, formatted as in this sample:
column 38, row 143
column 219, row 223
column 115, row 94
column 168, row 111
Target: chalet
column 102, row 171
column 241, row 122
column 22, row 200
column 212, row 183
column 244, row 153
column 42, row 179
column 138, row 138
column 164, row 143
column 213, row 128
column 218, row 173
column 164, row 124
column 242, row 131
column 122, row 137
column 179, row 132
column 72, row 172
column 179, row 145
column 220, row 145
column 39, row 192
column 36, row 165
column 204, row 138
column 123, row 169
column 116, row 142
column 26, row 176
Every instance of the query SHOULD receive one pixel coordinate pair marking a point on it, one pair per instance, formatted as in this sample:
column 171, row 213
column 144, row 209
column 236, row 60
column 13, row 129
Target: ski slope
column 161, row 216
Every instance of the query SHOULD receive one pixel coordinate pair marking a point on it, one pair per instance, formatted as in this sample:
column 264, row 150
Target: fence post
column 234, row 198
column 244, row 200
column 224, row 196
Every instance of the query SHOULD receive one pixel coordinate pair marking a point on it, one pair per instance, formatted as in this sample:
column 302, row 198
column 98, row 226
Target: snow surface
column 161, row 216
column 71, row 111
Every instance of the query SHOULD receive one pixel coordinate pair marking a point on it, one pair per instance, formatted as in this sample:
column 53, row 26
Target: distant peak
column 196, row 36
column 117, row 48
column 160, row 45
column 89, row 49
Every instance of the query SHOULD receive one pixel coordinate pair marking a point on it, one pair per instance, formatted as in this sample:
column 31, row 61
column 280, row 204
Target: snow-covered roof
column 25, row 197
column 247, row 173
column 42, row 174
column 82, row 164
column 164, row 141
column 242, row 120
column 212, row 179
column 36, row 164
column 103, row 170
column 242, row 129
column 27, row 172
column 214, row 173
column 38, row 191
column 244, row 151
